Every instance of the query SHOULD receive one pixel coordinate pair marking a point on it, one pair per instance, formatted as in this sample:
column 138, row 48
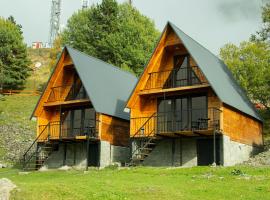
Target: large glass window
column 182, row 113
column 77, row 121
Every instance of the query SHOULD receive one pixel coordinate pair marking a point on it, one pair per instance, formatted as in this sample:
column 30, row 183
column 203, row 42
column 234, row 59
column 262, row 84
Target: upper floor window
column 182, row 74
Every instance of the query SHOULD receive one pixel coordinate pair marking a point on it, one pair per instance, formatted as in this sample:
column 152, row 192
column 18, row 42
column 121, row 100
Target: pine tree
column 14, row 64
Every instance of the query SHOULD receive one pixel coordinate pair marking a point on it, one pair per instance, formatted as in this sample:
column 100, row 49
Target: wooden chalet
column 80, row 115
column 188, row 110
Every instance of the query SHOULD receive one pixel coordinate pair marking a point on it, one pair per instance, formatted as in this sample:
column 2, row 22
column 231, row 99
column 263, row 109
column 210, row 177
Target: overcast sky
column 213, row 23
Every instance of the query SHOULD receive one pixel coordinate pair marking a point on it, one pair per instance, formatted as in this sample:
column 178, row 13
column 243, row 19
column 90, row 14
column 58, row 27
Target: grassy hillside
column 145, row 183
column 16, row 130
column 40, row 73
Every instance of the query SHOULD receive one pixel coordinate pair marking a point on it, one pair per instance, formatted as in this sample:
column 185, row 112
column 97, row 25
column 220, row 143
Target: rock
column 43, row 169
column 6, row 186
column 23, row 173
column 65, row 168
column 261, row 159
column 3, row 165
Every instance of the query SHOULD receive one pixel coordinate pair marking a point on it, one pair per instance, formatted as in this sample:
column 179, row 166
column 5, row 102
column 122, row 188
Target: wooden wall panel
column 114, row 130
column 240, row 127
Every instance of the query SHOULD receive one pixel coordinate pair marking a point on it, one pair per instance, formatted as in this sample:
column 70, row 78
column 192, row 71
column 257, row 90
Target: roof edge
column 145, row 66
column 63, row 50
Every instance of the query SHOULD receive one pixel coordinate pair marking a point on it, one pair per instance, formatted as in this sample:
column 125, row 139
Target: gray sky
column 213, row 23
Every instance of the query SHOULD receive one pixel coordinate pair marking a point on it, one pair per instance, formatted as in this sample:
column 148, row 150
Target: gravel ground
column 261, row 159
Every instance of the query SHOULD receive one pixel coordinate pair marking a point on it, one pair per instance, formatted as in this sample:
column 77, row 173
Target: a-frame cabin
column 80, row 116
column 186, row 104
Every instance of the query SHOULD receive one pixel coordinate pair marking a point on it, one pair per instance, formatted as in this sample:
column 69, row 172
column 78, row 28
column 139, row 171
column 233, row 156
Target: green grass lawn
column 144, row 183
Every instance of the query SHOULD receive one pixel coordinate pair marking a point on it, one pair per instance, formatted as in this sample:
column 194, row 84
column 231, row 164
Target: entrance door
column 77, row 121
column 205, row 154
column 93, row 154
column 182, row 113
column 165, row 115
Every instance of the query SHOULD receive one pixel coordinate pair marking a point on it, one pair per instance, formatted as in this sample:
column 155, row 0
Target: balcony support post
column 214, row 148
column 87, row 151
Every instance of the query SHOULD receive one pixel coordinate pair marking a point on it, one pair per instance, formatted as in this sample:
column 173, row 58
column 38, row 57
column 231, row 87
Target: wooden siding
column 240, row 127
column 143, row 102
column 114, row 130
column 162, row 60
column 148, row 105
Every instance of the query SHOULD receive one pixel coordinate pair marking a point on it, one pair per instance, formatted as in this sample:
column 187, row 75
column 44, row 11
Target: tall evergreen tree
column 115, row 33
column 14, row 64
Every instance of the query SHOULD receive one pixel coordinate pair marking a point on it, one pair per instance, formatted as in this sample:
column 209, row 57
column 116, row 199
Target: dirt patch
column 6, row 186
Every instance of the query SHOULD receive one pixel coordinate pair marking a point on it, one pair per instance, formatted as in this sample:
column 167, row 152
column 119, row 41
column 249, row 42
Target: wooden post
column 214, row 147
column 87, row 151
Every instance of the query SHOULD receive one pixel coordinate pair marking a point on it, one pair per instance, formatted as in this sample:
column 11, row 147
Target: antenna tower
column 85, row 4
column 55, row 21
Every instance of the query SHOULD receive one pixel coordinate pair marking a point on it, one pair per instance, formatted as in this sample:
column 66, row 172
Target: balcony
column 68, row 130
column 175, row 79
column 191, row 122
column 67, row 94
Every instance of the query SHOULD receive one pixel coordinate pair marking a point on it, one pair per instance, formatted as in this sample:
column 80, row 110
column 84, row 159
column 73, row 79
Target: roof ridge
column 92, row 57
column 174, row 26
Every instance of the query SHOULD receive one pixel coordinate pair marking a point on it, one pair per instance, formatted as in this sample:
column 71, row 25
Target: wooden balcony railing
column 177, row 121
column 57, row 130
column 178, row 77
column 67, row 92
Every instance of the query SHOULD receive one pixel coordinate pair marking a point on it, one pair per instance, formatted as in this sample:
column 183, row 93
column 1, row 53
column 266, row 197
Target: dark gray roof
column 107, row 86
column 218, row 75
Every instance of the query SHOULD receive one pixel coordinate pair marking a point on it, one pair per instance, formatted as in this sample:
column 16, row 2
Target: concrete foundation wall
column 235, row 153
column 75, row 155
column 172, row 152
column 110, row 154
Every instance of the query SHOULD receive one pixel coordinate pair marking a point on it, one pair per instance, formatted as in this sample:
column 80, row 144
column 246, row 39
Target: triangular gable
column 215, row 71
column 107, row 86
column 46, row 92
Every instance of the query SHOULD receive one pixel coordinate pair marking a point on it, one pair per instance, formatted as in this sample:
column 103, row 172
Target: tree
column 115, row 33
column 12, row 20
column 264, row 33
column 250, row 64
column 14, row 64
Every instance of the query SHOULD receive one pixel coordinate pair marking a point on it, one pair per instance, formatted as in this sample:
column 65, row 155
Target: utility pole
column 55, row 21
column 130, row 2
